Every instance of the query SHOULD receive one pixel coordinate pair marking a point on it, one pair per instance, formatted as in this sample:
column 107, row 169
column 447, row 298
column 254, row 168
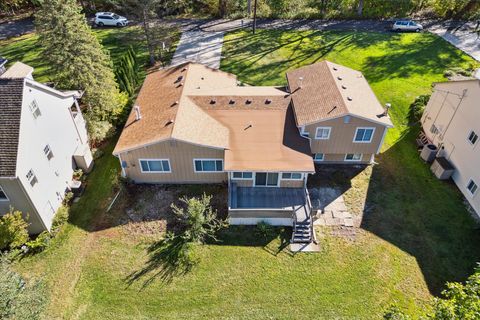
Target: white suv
column 110, row 19
column 407, row 25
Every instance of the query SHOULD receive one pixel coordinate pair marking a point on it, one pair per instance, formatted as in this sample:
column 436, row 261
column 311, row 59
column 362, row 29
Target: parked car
column 110, row 19
column 407, row 25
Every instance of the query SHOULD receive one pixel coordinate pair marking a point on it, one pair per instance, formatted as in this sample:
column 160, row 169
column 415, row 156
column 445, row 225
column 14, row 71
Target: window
column 155, row 165
column 3, row 195
column 346, row 119
column 48, row 152
column 472, row 137
column 34, row 109
column 291, row 176
column 364, row 135
column 31, row 177
column 242, row 175
column 353, row 157
column 208, row 165
column 472, row 187
column 434, row 129
column 323, row 133
column 318, row 157
column 304, row 133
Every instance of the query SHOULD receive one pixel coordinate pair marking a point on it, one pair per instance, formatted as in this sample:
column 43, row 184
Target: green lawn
column 416, row 235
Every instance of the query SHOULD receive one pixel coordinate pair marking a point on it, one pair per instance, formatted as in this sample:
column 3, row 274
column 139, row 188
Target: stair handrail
column 310, row 207
column 294, row 218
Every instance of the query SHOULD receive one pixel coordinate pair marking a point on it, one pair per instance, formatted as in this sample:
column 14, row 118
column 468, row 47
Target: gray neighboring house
column 43, row 139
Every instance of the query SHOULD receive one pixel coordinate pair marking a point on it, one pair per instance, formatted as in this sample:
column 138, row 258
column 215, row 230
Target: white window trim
column 304, row 133
column 468, row 137
column 364, row 128
column 242, row 178
column 7, row 199
column 202, row 159
column 265, row 186
column 282, row 178
column 323, row 128
column 143, row 159
column 470, row 192
column 352, row 160
column 319, row 160
column 35, row 109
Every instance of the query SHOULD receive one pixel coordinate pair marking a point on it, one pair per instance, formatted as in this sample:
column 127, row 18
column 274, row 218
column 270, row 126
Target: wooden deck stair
column 303, row 231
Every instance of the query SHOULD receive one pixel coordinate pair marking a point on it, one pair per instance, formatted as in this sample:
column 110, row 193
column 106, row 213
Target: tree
column 360, row 7
column 458, row 301
column 78, row 61
column 145, row 10
column 199, row 218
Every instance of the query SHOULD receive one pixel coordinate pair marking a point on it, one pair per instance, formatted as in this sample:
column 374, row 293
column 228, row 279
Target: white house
column 43, row 139
column 451, row 121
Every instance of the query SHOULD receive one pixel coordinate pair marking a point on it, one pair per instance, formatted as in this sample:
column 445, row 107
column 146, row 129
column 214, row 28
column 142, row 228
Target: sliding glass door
column 266, row 179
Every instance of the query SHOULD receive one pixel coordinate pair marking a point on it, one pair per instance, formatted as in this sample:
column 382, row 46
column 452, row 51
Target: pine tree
column 78, row 61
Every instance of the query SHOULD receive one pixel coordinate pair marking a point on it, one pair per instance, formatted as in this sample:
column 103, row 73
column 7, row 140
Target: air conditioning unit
column 429, row 152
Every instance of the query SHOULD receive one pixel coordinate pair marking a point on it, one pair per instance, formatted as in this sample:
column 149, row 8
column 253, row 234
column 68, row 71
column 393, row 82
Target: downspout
column 381, row 141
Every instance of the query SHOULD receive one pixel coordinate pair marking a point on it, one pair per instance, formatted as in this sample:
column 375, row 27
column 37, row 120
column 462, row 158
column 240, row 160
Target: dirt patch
column 145, row 210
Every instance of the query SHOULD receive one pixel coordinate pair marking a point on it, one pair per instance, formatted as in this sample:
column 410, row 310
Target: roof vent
column 231, row 101
column 174, row 103
column 335, row 68
column 138, row 115
column 339, row 78
column 300, row 82
column 213, row 101
column 180, row 78
column 202, row 78
column 344, row 87
column 268, row 101
column 349, row 98
column 184, row 69
column 248, row 101
column 180, row 84
column 169, row 122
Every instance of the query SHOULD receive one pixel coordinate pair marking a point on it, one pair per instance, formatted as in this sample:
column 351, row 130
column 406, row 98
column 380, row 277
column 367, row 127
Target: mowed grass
column 416, row 235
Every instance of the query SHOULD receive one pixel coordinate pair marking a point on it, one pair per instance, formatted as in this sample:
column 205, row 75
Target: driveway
column 199, row 46
column 462, row 36
column 16, row 28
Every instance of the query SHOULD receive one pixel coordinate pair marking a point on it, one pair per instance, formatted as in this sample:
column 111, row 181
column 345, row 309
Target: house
column 193, row 124
column 43, row 139
column 451, row 121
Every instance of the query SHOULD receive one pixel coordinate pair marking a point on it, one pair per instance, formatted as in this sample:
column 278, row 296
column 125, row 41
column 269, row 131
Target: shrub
column 77, row 174
column 60, row 218
column 417, row 108
column 13, row 230
column 68, row 198
column 264, row 230
column 39, row 244
column 199, row 218
column 97, row 153
column 18, row 299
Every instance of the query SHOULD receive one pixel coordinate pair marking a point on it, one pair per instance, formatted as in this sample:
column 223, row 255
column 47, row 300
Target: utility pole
column 254, row 16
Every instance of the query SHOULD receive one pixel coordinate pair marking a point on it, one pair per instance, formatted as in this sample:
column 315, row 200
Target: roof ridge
column 330, row 71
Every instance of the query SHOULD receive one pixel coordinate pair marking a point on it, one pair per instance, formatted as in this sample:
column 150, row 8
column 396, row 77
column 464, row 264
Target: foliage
column 264, row 230
column 199, row 218
column 18, row 299
column 77, row 174
column 460, row 301
column 38, row 244
column 126, row 72
column 417, row 107
column 13, row 230
column 78, row 61
column 394, row 313
column 60, row 218
column 466, row 72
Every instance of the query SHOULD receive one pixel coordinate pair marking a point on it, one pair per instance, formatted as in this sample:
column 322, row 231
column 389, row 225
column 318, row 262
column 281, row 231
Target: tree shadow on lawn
column 408, row 207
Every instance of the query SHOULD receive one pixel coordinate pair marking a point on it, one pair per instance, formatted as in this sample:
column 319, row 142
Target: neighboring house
column 451, row 121
column 193, row 124
column 42, row 140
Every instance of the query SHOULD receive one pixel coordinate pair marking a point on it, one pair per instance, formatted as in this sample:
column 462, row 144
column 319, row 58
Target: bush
column 97, row 153
column 13, row 230
column 417, row 108
column 60, row 218
column 39, row 244
column 458, row 71
column 18, row 299
column 77, row 174
column 264, row 230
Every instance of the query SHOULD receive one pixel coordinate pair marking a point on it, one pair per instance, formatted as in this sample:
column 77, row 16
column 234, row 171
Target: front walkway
column 199, row 46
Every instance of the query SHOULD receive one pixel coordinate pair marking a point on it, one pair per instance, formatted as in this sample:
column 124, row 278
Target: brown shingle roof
column 11, row 95
column 330, row 90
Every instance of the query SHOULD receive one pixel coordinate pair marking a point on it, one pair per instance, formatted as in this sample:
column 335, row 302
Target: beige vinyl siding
column 181, row 156
column 17, row 198
column 342, row 134
column 291, row 183
column 340, row 158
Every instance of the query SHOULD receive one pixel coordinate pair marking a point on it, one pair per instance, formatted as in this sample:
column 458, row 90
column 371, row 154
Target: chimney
column 387, row 107
column 138, row 115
